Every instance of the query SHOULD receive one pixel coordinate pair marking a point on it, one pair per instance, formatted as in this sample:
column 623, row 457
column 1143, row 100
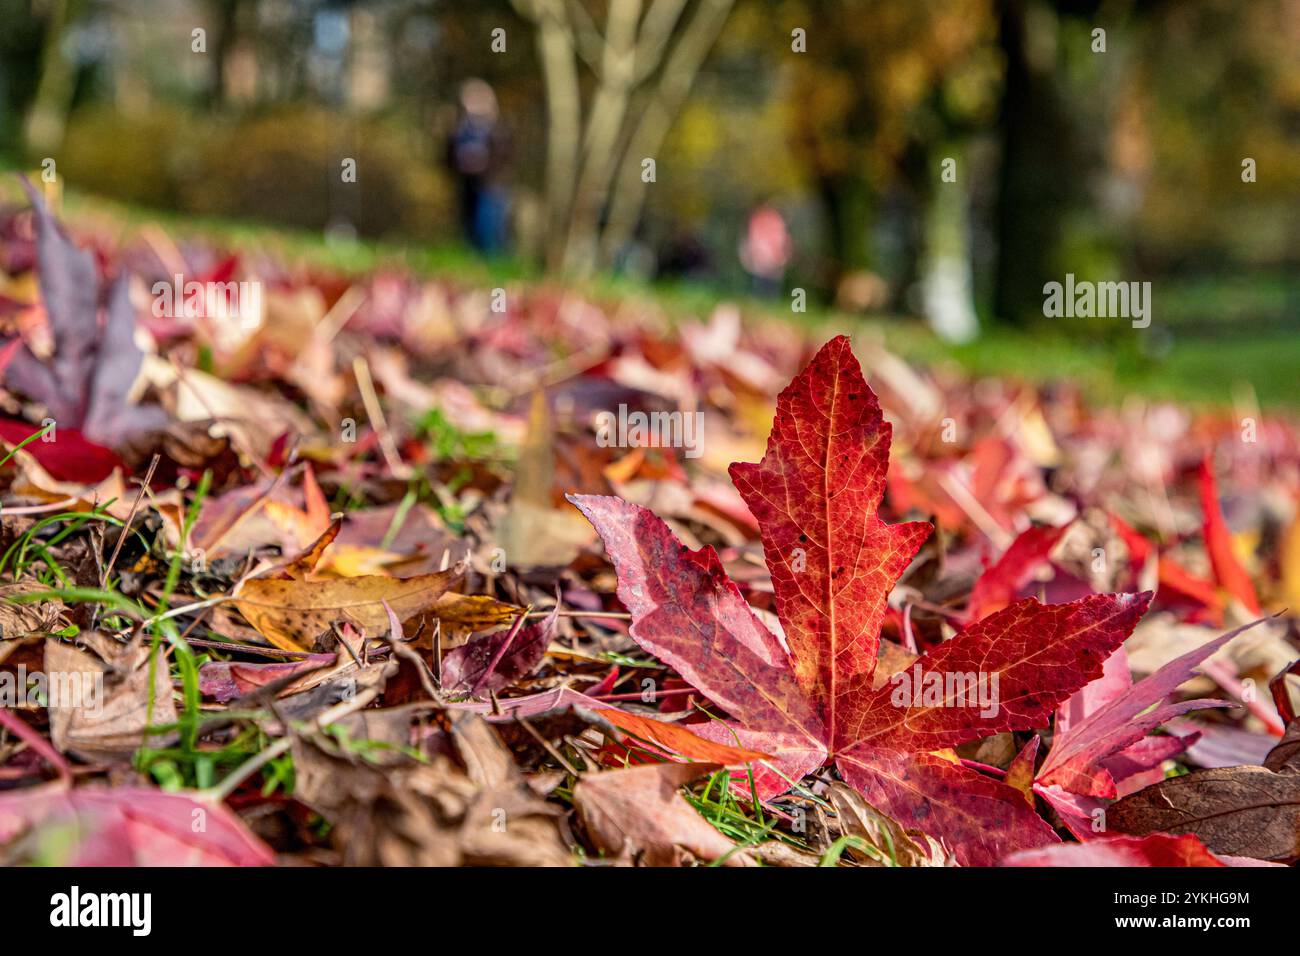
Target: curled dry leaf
column 638, row 816
column 1238, row 811
column 476, row 810
column 887, row 842
column 292, row 614
column 100, row 708
column 26, row 618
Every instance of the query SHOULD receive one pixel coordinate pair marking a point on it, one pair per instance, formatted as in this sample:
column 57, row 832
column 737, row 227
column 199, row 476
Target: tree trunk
column 564, row 109
column 48, row 118
column 1035, row 180
column 947, row 286
column 676, row 80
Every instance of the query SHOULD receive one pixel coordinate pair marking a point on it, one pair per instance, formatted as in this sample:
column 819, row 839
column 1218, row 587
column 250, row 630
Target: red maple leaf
column 997, row 586
column 1228, row 572
column 1100, row 749
column 811, row 697
column 1158, row 849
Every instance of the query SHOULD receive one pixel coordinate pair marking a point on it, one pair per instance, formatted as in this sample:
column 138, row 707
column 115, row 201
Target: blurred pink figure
column 766, row 249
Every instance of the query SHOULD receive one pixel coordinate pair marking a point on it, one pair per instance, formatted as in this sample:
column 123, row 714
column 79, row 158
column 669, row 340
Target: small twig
column 966, row 500
column 606, row 615
column 550, row 749
column 126, row 527
column 186, row 609
column 501, row 652
column 339, row 638
column 40, row 509
column 23, row 732
column 642, row 696
column 370, row 398
column 245, row 648
column 909, row 639
column 983, row 768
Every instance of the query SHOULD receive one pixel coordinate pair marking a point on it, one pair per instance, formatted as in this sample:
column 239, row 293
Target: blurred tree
column 20, row 52
column 47, row 119
column 885, row 91
column 224, row 17
column 642, row 64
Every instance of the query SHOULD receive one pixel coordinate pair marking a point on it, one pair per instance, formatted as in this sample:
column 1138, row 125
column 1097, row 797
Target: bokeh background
column 795, row 146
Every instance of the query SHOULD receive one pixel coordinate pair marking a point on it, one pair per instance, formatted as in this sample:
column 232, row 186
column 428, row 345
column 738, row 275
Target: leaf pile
column 323, row 581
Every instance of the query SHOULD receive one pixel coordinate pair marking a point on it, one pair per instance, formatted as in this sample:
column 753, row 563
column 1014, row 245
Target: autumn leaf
column 86, row 383
column 833, row 563
column 1124, row 715
column 1239, row 811
column 673, row 739
column 998, row 585
column 119, row 698
column 473, row 612
column 879, row 840
column 1228, row 572
column 678, row 739
column 226, row 680
column 1157, row 849
column 125, row 826
column 638, row 816
column 497, row 660
column 292, row 613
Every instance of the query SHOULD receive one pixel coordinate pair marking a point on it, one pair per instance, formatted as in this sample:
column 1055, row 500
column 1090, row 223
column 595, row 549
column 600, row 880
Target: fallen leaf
column 638, row 816
column 998, row 585
column 87, row 382
column 293, row 613
column 833, row 562
column 1124, row 718
column 226, row 680
column 1228, row 572
column 1239, row 811
column 100, row 709
column 497, row 660
column 1157, row 849
column 889, row 843
column 475, row 812
column 123, row 826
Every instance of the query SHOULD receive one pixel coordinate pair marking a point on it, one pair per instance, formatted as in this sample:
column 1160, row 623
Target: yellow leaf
column 292, row 613
column 473, row 612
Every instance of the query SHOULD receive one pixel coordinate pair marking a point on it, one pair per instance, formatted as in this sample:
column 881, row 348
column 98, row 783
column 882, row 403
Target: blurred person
column 765, row 249
column 685, row 256
column 477, row 152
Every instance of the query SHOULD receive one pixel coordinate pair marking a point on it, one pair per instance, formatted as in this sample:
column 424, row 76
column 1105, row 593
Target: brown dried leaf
column 99, row 709
column 638, row 816
column 430, row 814
column 293, row 613
column 1236, row 811
column 891, row 845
